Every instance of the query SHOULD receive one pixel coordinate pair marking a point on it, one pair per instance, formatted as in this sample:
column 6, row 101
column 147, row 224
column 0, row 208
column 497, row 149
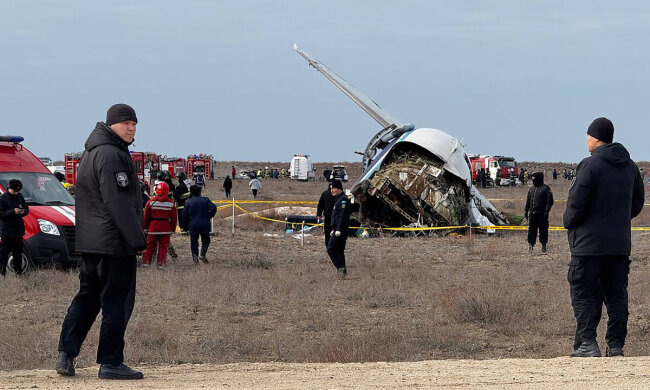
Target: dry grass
column 271, row 299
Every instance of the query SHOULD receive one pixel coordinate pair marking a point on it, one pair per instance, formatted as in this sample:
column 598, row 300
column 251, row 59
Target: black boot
column 122, row 371
column 543, row 248
column 613, row 351
column 65, row 364
column 588, row 348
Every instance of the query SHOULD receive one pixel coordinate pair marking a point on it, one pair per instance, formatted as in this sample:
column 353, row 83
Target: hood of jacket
column 103, row 135
column 613, row 153
column 538, row 179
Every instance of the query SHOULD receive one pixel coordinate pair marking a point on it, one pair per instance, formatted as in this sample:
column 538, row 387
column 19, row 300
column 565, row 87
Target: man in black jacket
column 181, row 195
column 108, row 234
column 538, row 205
column 340, row 223
column 605, row 195
column 13, row 209
column 324, row 210
column 197, row 213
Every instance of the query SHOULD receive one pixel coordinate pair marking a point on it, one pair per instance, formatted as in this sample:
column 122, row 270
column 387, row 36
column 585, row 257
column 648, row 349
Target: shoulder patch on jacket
column 122, row 180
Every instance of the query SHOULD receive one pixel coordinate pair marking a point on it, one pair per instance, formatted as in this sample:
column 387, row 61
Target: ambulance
column 50, row 225
column 301, row 168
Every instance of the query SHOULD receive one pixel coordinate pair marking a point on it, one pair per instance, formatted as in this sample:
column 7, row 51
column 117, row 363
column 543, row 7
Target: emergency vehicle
column 174, row 165
column 199, row 163
column 337, row 172
column 301, row 168
column 498, row 168
column 49, row 226
column 145, row 163
column 71, row 164
column 153, row 161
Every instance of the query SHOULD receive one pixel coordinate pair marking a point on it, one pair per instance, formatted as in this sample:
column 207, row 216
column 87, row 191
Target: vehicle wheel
column 27, row 264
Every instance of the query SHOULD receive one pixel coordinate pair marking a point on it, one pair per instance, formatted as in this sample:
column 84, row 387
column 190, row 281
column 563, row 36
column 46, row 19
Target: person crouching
column 197, row 213
column 159, row 223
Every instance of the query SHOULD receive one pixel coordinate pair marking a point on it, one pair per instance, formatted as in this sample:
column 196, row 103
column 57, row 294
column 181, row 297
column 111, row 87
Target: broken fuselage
column 416, row 177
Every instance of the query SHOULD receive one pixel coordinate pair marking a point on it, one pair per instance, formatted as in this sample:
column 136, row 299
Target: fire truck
column 498, row 168
column 199, row 163
column 49, row 226
column 71, row 164
column 146, row 163
column 174, row 165
column 153, row 161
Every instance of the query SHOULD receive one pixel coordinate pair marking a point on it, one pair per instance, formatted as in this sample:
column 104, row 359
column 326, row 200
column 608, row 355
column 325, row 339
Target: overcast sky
column 520, row 78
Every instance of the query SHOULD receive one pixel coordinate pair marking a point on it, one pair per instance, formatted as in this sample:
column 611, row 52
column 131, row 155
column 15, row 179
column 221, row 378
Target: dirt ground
column 521, row 374
column 453, row 311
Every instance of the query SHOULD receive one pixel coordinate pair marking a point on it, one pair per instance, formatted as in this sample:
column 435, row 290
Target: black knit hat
column 15, row 185
column 602, row 129
column 120, row 113
column 336, row 183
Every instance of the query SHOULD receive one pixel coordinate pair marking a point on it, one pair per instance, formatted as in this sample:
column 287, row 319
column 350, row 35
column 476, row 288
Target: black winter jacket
column 11, row 224
column 325, row 204
column 108, row 199
column 197, row 213
column 341, row 214
column 181, row 194
column 540, row 197
column 605, row 195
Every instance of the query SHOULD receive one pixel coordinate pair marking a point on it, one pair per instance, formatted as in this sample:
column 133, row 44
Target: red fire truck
column 199, row 163
column 139, row 161
column 71, row 163
column 153, row 160
column 49, row 226
column 174, row 165
column 145, row 164
column 499, row 168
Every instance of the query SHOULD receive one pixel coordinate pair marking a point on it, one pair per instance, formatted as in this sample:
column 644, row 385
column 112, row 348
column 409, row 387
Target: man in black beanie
column 340, row 223
column 606, row 193
column 108, row 234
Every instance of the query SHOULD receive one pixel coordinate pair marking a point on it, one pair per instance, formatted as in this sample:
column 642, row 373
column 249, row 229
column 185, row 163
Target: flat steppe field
column 268, row 312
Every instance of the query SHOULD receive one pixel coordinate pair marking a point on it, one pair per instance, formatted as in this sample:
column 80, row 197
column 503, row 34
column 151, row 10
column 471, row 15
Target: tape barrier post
column 233, row 216
column 302, row 234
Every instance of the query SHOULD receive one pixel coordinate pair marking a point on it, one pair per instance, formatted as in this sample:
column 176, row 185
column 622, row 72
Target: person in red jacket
column 159, row 223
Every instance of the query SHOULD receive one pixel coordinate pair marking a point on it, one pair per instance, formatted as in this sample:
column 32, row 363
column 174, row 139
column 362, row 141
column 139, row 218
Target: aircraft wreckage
column 412, row 177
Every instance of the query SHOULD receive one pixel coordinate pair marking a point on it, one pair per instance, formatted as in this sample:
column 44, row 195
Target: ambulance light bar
column 11, row 138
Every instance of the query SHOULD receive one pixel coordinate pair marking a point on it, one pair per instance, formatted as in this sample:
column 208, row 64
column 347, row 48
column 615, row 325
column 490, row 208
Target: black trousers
column 227, row 192
column 595, row 280
column 194, row 243
column 106, row 283
column 327, row 227
column 254, row 194
column 537, row 222
column 336, row 250
column 15, row 246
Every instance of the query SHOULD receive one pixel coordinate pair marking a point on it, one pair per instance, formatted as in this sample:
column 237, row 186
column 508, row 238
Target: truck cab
column 499, row 169
column 50, row 225
column 199, row 164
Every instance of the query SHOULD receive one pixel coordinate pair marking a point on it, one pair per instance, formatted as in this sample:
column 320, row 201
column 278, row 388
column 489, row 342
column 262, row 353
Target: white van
column 301, row 168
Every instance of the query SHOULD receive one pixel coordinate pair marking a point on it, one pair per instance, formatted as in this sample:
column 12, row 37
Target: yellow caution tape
column 424, row 228
column 313, row 202
column 264, row 202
